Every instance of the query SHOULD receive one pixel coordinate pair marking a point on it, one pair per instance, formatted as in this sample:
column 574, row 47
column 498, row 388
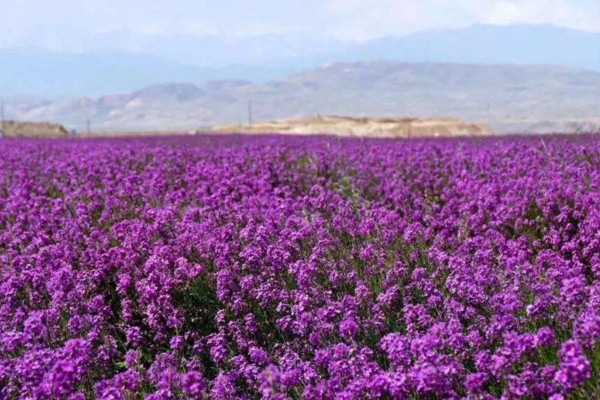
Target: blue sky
column 90, row 24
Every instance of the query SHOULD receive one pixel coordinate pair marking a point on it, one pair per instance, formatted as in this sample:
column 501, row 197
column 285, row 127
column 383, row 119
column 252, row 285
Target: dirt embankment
column 32, row 129
column 365, row 127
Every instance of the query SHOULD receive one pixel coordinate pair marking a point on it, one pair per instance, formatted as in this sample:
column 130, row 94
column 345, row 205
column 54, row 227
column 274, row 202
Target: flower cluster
column 226, row 267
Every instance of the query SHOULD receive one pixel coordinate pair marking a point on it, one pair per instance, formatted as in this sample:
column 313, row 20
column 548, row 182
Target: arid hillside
column 364, row 127
column 32, row 129
column 508, row 98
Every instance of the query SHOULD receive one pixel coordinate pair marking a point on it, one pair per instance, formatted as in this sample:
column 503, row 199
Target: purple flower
column 258, row 356
column 193, row 384
column 349, row 328
column 545, row 337
column 272, row 267
column 574, row 366
column 475, row 382
column 134, row 336
column 132, row 358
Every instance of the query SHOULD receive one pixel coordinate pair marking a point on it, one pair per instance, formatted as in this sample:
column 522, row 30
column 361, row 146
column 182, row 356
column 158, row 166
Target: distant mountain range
column 488, row 44
column 267, row 58
column 516, row 78
column 511, row 98
column 49, row 74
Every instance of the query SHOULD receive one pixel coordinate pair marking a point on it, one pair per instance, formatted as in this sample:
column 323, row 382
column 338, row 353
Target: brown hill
column 32, row 129
column 367, row 127
column 508, row 98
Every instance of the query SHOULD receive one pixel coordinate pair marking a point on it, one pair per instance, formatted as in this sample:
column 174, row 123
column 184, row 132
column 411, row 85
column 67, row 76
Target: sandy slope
column 31, row 129
column 365, row 127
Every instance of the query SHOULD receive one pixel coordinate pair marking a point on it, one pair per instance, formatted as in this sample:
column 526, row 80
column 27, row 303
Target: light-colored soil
column 330, row 125
column 363, row 127
column 32, row 129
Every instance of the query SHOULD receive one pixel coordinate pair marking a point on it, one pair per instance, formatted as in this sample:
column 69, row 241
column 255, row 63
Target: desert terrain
column 363, row 127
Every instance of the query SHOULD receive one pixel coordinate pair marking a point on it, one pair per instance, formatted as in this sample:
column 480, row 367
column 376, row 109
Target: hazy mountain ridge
column 33, row 72
column 269, row 58
column 510, row 98
column 489, row 44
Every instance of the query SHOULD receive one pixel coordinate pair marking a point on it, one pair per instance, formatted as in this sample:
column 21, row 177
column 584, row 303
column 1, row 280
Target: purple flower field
column 300, row 268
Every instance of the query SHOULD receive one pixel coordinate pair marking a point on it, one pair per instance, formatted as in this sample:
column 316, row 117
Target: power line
column 250, row 113
column 2, row 118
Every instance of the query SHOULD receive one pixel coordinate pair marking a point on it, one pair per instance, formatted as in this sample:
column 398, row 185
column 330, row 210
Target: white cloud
column 356, row 19
column 70, row 24
column 582, row 14
column 503, row 13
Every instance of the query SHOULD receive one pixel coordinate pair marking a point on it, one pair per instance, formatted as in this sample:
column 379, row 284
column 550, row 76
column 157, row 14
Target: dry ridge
column 31, row 129
column 329, row 125
column 364, row 127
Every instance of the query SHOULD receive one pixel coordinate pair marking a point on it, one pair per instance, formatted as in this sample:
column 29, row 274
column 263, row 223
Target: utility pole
column 488, row 114
column 2, row 116
column 88, row 126
column 250, row 113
